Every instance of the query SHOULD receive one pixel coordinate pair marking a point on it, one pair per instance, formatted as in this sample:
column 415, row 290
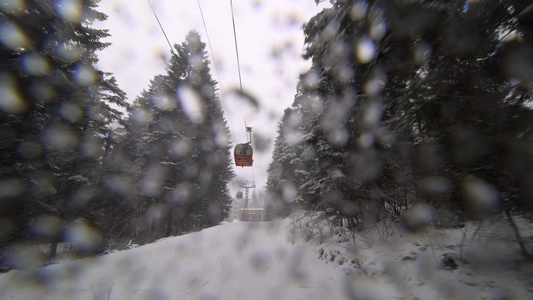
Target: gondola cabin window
column 243, row 155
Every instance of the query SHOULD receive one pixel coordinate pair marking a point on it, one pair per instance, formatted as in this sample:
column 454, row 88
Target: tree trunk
column 52, row 251
column 517, row 232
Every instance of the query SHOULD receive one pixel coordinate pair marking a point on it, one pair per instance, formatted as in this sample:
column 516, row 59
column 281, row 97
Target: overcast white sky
column 270, row 41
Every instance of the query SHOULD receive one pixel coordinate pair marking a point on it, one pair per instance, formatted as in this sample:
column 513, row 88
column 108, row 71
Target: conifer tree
column 183, row 150
column 432, row 78
column 58, row 110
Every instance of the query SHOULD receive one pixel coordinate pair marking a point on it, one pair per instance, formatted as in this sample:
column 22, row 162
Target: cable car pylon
column 247, row 185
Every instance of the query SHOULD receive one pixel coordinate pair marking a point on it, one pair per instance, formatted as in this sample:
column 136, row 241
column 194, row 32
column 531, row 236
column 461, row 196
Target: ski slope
column 271, row 260
column 230, row 261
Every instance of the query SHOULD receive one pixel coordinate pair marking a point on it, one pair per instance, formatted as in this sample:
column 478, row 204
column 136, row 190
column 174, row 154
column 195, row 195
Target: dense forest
column 74, row 167
column 408, row 105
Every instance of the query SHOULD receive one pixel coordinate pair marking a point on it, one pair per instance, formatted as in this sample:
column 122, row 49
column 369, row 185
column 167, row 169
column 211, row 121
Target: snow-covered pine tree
column 57, row 113
column 400, row 78
column 182, row 144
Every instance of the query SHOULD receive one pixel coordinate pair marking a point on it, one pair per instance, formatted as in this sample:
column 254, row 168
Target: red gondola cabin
column 244, row 155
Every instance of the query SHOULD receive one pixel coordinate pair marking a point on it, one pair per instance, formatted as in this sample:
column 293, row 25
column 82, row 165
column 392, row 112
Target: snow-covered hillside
column 263, row 261
column 229, row 261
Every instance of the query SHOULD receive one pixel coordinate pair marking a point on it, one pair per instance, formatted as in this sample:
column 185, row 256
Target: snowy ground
column 229, row 261
column 263, row 261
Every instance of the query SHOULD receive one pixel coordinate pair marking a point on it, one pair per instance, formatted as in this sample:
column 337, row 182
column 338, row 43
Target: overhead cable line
column 212, row 53
column 239, row 68
column 216, row 69
column 209, row 42
column 161, row 26
column 215, row 65
column 236, row 48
